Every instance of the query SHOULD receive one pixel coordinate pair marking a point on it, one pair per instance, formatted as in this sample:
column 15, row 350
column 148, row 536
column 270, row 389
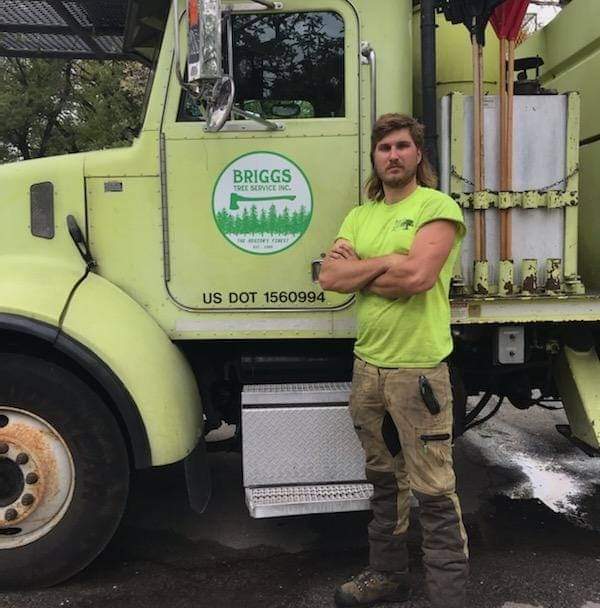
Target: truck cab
column 144, row 287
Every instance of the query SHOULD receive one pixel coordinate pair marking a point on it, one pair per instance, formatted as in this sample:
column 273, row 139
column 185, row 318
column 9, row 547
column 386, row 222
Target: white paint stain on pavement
column 555, row 489
column 555, row 472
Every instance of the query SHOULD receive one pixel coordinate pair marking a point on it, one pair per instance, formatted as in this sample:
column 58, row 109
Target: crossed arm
column 395, row 275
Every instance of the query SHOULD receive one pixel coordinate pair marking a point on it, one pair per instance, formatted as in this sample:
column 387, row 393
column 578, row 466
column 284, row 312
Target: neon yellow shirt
column 411, row 331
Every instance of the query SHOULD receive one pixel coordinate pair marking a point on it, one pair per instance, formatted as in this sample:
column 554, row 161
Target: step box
column 300, row 450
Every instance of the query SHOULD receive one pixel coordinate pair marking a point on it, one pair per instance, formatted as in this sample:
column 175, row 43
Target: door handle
column 315, row 268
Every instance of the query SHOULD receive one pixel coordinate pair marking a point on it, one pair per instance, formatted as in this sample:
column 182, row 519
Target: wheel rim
column 37, row 477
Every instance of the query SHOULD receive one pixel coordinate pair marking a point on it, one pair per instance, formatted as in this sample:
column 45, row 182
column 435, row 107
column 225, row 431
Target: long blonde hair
column 385, row 125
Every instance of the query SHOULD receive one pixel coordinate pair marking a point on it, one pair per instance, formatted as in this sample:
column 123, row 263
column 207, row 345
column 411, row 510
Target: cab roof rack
column 81, row 29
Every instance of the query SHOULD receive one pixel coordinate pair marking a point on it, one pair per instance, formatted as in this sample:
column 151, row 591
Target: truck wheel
column 64, row 473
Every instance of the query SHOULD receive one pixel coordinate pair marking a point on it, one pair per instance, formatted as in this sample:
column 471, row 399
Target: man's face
column 396, row 158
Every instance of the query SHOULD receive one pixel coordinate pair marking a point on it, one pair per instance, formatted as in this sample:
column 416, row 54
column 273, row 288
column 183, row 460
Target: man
column 397, row 253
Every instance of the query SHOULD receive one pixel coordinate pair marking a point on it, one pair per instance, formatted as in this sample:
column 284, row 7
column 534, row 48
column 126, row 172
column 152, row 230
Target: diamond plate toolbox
column 299, row 434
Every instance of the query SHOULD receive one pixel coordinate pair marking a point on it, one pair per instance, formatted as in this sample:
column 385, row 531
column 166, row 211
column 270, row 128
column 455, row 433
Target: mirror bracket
column 253, row 122
column 274, row 6
column 253, row 6
column 268, row 124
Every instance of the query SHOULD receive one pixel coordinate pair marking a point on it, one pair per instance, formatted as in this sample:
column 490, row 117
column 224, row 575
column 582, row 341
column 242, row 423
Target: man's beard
column 399, row 181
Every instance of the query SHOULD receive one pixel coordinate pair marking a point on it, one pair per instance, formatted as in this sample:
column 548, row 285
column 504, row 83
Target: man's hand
column 342, row 249
column 344, row 272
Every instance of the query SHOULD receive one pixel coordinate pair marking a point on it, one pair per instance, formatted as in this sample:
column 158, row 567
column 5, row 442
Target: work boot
column 373, row 586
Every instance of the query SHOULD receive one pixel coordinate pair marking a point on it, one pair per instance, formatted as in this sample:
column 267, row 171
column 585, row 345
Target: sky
column 545, row 13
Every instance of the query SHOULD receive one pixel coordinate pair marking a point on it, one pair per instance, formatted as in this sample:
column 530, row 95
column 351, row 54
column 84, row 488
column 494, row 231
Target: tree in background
column 50, row 107
column 295, row 56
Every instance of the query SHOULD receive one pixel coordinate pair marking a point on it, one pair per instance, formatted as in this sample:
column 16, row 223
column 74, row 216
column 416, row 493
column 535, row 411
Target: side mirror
column 205, row 79
column 204, row 46
column 220, row 104
column 205, row 54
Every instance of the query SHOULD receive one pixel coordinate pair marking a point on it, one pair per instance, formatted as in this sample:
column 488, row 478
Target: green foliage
column 50, row 107
column 292, row 56
column 254, row 222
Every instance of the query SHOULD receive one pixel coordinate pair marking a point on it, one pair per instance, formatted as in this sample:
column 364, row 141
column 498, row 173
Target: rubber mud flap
column 197, row 477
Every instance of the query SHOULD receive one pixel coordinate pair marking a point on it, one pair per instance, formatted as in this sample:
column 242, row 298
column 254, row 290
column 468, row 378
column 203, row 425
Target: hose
column 488, row 416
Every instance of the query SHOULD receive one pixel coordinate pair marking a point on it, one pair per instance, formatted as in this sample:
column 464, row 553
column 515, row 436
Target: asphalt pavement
column 531, row 504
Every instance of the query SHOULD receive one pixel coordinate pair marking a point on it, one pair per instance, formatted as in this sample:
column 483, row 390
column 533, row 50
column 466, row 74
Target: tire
column 64, row 466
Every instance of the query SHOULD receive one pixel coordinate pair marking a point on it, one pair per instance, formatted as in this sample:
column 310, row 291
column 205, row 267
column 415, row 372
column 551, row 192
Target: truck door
column 250, row 208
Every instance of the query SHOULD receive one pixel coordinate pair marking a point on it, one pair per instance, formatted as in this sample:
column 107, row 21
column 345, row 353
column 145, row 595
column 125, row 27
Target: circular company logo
column 262, row 203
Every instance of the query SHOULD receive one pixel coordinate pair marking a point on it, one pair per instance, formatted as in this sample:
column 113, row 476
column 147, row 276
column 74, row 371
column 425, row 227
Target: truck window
column 285, row 66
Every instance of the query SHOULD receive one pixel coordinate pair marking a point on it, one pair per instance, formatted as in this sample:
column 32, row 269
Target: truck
column 162, row 298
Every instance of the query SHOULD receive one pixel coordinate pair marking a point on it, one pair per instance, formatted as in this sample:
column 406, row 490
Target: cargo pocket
column 434, row 463
column 440, row 384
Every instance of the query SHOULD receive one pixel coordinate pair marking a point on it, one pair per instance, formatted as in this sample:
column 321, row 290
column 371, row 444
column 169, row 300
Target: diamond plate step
column 281, row 394
column 281, row 501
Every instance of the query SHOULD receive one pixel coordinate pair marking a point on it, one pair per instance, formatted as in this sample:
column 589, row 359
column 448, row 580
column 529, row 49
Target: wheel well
column 21, row 343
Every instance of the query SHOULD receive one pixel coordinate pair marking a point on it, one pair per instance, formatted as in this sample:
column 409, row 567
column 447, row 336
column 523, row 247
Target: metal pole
column 478, row 155
column 509, row 142
column 429, row 83
column 503, row 141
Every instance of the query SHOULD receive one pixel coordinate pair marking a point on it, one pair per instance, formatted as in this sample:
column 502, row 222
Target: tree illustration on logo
column 253, row 222
column 272, row 220
column 245, row 221
column 262, row 221
column 284, row 222
column 253, row 225
column 300, row 220
column 225, row 221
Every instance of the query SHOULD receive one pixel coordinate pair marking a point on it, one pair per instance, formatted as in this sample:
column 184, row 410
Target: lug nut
column 27, row 500
column 11, row 515
column 3, row 447
column 22, row 458
column 31, row 478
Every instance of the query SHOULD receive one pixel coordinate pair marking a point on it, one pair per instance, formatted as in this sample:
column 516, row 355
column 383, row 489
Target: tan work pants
column 423, row 465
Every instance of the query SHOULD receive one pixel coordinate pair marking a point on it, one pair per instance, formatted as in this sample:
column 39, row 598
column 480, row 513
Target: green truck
column 164, row 297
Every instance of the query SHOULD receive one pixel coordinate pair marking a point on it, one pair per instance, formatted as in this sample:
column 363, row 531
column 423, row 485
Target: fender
column 33, row 295
column 114, row 339
column 120, row 333
column 86, row 359
column 37, row 287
